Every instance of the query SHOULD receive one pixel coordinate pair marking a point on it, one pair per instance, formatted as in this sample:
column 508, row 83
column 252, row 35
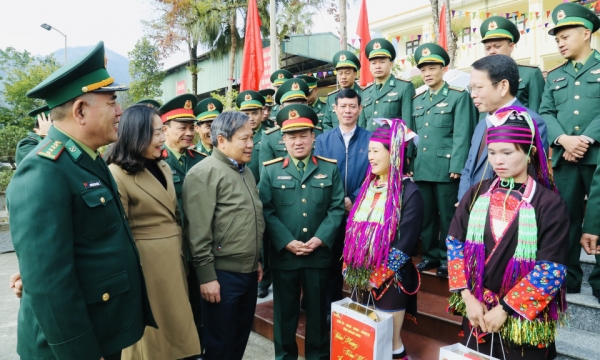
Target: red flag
column 443, row 39
column 365, row 36
column 253, row 63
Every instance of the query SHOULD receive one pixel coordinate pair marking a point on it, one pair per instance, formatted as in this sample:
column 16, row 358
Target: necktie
column 379, row 87
column 301, row 168
column 578, row 66
column 182, row 161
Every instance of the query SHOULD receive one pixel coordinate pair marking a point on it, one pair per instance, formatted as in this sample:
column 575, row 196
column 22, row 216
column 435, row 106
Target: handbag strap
column 492, row 347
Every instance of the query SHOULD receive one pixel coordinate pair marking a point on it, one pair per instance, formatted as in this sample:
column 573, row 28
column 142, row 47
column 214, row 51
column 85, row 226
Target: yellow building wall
column 535, row 47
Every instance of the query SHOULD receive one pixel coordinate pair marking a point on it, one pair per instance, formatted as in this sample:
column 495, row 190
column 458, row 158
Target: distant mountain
column 118, row 65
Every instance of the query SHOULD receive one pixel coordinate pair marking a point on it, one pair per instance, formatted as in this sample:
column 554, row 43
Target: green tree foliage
column 5, row 175
column 22, row 73
column 228, row 98
column 145, row 70
column 9, row 138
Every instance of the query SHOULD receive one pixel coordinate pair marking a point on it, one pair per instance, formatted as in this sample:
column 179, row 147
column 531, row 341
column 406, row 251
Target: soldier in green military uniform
column 33, row 138
column 277, row 79
column 313, row 100
column 303, row 206
column 347, row 66
column 444, row 118
column 251, row 103
column 388, row 97
column 570, row 110
column 499, row 36
column 206, row 111
column 292, row 91
column 269, row 95
column 150, row 103
column 85, row 295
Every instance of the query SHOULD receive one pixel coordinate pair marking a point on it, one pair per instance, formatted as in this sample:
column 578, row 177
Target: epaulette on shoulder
column 529, row 66
column 456, row 88
column 197, row 151
column 272, row 161
column 52, row 150
column 419, row 93
column 271, row 130
column 405, row 80
column 333, row 92
column 319, row 128
column 323, row 99
column 561, row 65
column 333, row 161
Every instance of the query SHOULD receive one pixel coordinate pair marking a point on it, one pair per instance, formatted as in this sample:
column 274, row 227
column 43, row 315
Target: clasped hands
column 300, row 249
column 488, row 321
column 575, row 147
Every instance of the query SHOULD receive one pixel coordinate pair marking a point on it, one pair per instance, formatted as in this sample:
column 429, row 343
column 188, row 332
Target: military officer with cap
column 292, row 91
column 570, row 110
column 269, row 95
column 444, row 118
column 33, row 138
column 206, row 111
column 388, row 97
column 303, row 206
column 150, row 103
column 499, row 36
column 85, row 295
column 277, row 79
column 314, row 101
column 251, row 103
column 347, row 66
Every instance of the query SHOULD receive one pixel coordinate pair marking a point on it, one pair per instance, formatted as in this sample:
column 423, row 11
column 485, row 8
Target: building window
column 411, row 46
column 466, row 35
column 518, row 20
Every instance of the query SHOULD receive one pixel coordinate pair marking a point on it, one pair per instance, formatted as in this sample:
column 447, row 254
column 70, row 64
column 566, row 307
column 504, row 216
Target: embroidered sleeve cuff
column 396, row 259
column 535, row 291
column 456, row 267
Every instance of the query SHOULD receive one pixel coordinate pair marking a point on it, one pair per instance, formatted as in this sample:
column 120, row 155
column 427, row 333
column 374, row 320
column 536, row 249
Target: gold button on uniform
column 283, row 186
column 448, row 156
column 576, row 112
column 377, row 102
column 322, row 185
column 428, row 112
column 576, row 97
column 303, row 186
column 105, row 297
column 305, row 230
column 303, row 200
column 305, row 214
column 426, row 124
column 425, row 136
column 375, row 112
column 442, row 111
column 557, row 87
column 102, row 200
column 576, row 128
column 577, row 83
column 374, row 123
column 424, row 149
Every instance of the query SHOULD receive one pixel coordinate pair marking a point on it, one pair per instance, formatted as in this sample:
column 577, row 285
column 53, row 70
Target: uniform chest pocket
column 442, row 116
column 390, row 106
column 418, row 115
column 101, row 215
column 560, row 92
column 321, row 190
column 283, row 192
column 443, row 164
column 593, row 86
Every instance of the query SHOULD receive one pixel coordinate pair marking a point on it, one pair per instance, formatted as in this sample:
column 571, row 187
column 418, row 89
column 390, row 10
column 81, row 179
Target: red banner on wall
column 265, row 80
column 180, row 87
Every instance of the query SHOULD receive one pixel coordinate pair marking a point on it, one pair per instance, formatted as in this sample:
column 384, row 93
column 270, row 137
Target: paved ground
column 259, row 348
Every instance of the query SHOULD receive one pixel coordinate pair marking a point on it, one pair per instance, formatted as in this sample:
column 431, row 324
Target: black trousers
column 227, row 325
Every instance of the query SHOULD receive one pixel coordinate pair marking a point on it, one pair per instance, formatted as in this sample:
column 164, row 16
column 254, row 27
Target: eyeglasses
column 477, row 89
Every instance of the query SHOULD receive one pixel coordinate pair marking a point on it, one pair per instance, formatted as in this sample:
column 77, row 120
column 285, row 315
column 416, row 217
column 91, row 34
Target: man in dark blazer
column 494, row 85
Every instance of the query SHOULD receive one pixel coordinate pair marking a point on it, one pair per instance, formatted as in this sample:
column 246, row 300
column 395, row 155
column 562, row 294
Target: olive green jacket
column 570, row 106
column 330, row 120
column 25, row 146
column 531, row 87
column 301, row 207
column 393, row 101
column 85, row 295
column 445, row 127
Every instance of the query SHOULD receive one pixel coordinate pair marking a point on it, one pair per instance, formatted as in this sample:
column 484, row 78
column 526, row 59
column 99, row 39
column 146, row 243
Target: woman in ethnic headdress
column 507, row 246
column 383, row 229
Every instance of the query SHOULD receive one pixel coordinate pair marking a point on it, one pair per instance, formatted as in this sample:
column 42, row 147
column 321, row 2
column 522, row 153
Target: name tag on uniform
column 320, row 176
column 596, row 71
column 442, row 105
column 174, row 172
column 392, row 94
column 560, row 79
column 320, row 114
column 284, row 178
column 419, row 107
column 281, row 142
column 92, row 184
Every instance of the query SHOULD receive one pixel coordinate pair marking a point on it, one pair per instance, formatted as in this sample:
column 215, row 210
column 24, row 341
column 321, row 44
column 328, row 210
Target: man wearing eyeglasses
column 494, row 85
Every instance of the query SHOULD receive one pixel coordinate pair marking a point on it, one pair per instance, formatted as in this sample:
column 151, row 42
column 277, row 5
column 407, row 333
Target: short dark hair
column 498, row 68
column 136, row 129
column 348, row 94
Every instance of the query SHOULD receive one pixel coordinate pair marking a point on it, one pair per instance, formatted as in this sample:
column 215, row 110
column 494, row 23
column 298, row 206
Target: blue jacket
column 474, row 169
column 352, row 164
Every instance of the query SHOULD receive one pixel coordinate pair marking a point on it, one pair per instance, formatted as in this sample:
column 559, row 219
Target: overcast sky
column 116, row 22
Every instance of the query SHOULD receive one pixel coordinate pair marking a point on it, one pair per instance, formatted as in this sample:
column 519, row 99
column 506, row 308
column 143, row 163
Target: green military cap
column 346, row 59
column 150, row 103
column 280, row 76
column 250, row 100
column 292, row 89
column 431, row 53
column 295, row 117
column 86, row 74
column 309, row 80
column 42, row 109
column 180, row 108
column 268, row 95
column 208, row 109
column 499, row 28
column 380, row 47
column 572, row 14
